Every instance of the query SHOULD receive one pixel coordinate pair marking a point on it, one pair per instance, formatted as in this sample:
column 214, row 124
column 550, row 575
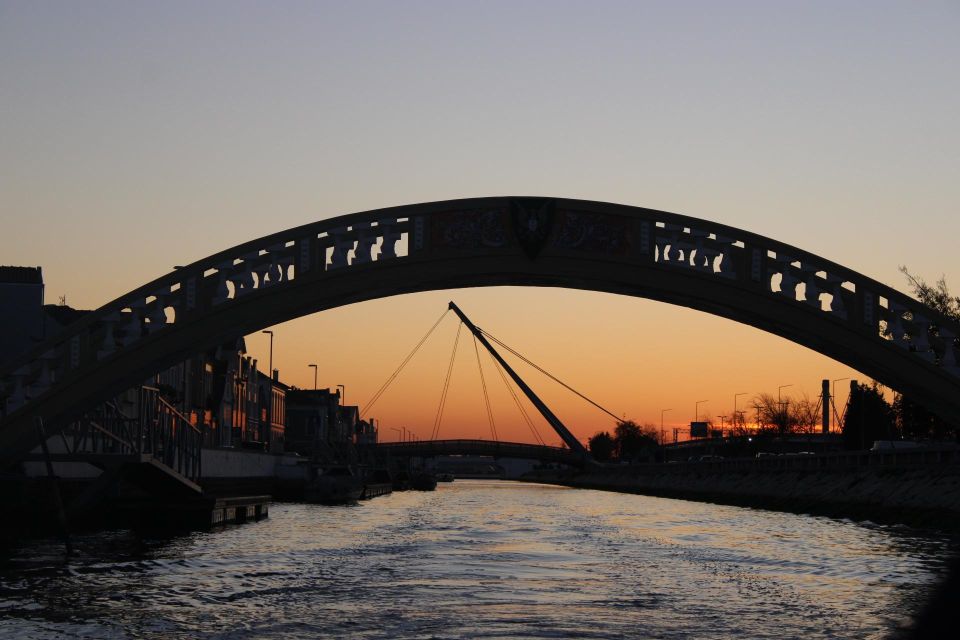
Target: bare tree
column 771, row 413
column 936, row 296
column 804, row 414
column 786, row 415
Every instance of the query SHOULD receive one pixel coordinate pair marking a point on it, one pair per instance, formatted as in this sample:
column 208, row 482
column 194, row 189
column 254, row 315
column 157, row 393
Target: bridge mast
column 564, row 433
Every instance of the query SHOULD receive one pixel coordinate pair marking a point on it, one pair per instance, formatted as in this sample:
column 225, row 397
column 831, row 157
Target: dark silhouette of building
column 21, row 310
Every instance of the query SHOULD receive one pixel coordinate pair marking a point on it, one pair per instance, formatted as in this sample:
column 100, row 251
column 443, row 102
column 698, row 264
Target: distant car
column 766, row 454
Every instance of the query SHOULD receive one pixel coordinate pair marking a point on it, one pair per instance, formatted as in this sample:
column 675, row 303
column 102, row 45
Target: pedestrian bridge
column 549, row 242
column 492, row 448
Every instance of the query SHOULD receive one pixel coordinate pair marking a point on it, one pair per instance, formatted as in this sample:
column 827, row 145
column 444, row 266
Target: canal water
column 479, row 559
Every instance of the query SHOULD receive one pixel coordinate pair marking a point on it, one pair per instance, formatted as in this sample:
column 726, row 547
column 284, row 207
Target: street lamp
column 314, row 367
column 400, row 436
column 343, row 394
column 696, row 410
column 270, row 373
column 780, row 407
column 662, row 411
column 735, row 396
column 783, row 386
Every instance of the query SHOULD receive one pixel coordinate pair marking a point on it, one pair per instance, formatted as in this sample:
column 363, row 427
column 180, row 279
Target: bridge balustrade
column 601, row 246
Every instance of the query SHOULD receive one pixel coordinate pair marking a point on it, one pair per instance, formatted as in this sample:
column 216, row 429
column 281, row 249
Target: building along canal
column 483, row 559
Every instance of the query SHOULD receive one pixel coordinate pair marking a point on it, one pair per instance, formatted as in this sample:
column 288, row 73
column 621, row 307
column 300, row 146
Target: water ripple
column 482, row 560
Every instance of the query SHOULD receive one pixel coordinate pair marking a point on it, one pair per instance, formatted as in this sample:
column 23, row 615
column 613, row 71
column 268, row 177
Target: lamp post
column 783, row 386
column 662, row 411
column 833, row 396
column 783, row 416
column 314, row 367
column 735, row 396
column 270, row 373
column 779, row 401
column 696, row 410
column 400, row 436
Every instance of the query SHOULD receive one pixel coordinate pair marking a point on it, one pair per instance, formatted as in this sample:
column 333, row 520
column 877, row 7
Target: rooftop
column 21, row 275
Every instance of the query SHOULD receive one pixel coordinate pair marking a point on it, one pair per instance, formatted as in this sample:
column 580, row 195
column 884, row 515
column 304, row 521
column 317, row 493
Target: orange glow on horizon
column 632, row 356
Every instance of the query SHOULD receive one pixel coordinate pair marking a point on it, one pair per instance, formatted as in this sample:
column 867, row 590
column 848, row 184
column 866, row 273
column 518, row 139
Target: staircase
column 144, row 443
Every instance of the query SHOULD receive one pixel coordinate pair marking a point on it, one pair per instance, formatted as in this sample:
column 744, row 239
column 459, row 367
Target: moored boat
column 336, row 485
column 423, row 481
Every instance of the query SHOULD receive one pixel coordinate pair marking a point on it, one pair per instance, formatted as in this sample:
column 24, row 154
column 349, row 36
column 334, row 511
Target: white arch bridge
column 528, row 241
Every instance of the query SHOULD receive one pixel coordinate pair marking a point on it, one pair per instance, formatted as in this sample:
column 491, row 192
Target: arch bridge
column 526, row 241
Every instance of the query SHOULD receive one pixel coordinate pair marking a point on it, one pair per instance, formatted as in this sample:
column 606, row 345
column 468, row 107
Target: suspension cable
column 486, row 396
column 446, row 386
column 549, row 375
column 523, row 412
column 376, row 396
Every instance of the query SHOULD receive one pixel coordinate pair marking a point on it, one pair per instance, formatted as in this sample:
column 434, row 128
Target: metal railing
column 167, row 435
column 920, row 457
column 106, row 430
column 154, row 429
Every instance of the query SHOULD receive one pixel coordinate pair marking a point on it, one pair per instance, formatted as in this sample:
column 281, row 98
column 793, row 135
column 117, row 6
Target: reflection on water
column 482, row 559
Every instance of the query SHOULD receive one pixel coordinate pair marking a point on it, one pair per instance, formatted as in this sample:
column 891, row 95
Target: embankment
column 920, row 489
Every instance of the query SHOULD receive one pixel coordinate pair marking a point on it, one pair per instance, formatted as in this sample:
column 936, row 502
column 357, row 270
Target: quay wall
column 919, row 487
column 227, row 472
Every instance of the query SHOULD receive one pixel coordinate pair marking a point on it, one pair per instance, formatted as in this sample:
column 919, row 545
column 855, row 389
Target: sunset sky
column 135, row 137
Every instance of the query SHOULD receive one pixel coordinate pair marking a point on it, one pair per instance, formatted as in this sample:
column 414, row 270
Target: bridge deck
column 431, row 448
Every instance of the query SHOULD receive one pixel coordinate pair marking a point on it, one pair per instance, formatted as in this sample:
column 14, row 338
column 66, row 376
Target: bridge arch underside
column 738, row 286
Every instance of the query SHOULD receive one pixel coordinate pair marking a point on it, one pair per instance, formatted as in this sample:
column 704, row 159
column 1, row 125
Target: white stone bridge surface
column 527, row 241
column 492, row 448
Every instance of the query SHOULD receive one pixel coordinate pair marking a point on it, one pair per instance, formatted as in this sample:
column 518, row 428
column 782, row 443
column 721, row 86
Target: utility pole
column 825, row 399
column 735, row 396
column 663, row 411
column 696, row 410
column 780, row 406
column 314, row 367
